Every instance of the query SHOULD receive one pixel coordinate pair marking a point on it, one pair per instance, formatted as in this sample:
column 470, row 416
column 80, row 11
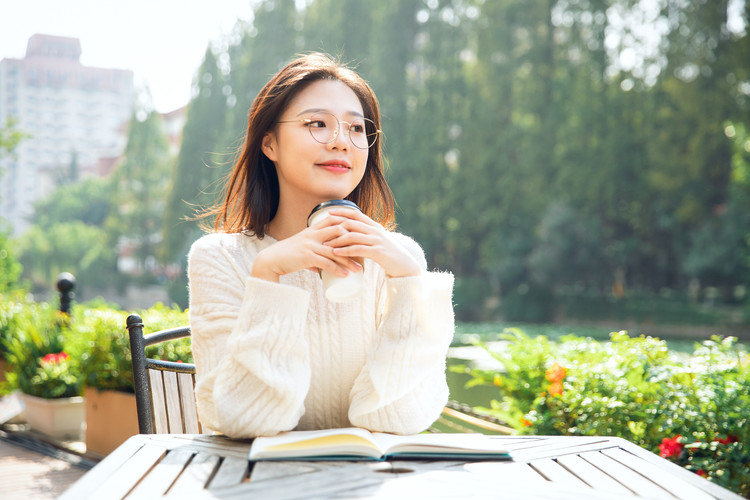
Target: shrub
column 102, row 341
column 39, row 359
column 634, row 388
column 93, row 337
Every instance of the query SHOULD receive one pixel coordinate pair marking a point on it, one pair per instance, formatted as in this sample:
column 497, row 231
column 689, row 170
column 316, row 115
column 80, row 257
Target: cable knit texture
column 272, row 357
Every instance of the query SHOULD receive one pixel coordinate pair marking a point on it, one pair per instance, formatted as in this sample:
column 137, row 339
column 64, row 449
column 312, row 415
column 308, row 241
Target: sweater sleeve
column 252, row 359
column 402, row 387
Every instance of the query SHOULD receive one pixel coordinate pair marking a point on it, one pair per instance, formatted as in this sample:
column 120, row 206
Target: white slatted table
column 543, row 467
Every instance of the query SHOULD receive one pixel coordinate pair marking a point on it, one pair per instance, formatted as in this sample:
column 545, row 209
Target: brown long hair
column 251, row 193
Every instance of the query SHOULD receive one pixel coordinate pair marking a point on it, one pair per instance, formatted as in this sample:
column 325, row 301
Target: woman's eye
column 317, row 123
column 357, row 128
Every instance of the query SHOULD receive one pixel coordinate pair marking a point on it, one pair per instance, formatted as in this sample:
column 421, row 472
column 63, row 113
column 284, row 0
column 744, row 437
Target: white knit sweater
column 272, row 357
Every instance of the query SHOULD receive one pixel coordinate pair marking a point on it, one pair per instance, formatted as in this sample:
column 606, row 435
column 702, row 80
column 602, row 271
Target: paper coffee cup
column 338, row 288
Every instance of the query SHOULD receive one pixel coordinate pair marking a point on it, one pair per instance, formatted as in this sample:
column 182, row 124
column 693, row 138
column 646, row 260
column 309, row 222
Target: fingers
column 358, row 235
column 354, row 215
column 355, row 242
column 327, row 259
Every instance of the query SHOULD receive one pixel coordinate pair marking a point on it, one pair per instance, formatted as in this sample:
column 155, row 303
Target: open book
column 353, row 443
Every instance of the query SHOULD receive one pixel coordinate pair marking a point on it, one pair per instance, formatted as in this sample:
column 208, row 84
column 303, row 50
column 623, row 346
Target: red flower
column 731, row 438
column 702, row 473
column 670, row 447
column 54, row 358
column 556, row 373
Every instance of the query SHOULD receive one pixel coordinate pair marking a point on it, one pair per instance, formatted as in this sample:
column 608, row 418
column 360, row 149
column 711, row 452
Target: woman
column 271, row 352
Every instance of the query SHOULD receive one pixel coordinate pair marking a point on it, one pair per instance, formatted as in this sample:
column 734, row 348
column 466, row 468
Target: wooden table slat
column 265, row 471
column 579, row 468
column 634, row 481
column 231, row 471
column 123, row 480
column 557, row 447
column 195, row 476
column 220, row 445
column 505, row 473
column 322, row 482
column 592, row 476
column 104, row 469
column 556, row 473
column 673, row 469
column 676, row 486
column 161, row 477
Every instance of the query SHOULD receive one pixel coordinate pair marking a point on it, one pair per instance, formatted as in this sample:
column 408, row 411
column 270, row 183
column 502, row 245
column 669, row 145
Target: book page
column 332, row 442
column 439, row 444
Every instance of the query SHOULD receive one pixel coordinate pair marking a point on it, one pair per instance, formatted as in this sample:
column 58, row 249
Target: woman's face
column 310, row 172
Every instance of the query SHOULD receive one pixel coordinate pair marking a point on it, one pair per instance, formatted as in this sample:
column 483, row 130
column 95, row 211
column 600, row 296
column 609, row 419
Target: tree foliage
column 141, row 183
column 536, row 148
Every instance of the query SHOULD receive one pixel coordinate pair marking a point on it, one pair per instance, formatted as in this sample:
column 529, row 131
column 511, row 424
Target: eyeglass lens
column 324, row 128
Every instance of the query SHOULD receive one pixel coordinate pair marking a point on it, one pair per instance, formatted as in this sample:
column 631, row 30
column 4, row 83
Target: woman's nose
column 340, row 138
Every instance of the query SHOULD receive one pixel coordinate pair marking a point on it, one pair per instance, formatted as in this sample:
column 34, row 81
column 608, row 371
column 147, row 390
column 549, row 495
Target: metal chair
column 163, row 389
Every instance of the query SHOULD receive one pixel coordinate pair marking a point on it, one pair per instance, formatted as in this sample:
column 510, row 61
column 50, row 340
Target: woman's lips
column 336, row 166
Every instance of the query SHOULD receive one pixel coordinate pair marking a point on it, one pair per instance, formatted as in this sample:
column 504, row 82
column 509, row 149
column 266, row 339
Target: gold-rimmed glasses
column 324, row 127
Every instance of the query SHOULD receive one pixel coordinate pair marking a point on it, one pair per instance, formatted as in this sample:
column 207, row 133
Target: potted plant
column 47, row 374
column 101, row 338
column 110, row 412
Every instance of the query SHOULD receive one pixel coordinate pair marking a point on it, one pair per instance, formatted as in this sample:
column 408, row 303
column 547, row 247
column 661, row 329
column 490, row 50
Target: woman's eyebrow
column 321, row 110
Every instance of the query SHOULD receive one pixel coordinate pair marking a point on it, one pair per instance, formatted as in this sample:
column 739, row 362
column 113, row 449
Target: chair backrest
column 163, row 389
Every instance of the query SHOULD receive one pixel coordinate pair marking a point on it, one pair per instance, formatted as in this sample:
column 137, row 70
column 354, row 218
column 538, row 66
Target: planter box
column 60, row 418
column 111, row 418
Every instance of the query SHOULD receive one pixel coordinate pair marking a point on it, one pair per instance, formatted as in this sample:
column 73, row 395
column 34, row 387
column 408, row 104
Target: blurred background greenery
column 567, row 160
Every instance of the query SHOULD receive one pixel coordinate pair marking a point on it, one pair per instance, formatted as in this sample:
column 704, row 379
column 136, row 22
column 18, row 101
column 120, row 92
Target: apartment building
column 75, row 116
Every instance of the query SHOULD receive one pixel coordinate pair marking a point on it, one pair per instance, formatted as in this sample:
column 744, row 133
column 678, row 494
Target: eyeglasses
column 324, row 127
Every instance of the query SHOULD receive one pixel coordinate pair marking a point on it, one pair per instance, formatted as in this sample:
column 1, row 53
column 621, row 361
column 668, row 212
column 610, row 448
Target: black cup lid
column 332, row 203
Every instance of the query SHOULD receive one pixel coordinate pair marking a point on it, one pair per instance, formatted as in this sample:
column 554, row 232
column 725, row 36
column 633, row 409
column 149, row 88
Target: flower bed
column 691, row 409
column 55, row 356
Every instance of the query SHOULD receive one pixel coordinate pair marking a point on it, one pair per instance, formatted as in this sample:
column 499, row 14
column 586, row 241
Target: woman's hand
column 364, row 237
column 305, row 250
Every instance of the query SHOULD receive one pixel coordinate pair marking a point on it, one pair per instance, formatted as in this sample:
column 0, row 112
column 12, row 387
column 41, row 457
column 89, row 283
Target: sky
column 161, row 41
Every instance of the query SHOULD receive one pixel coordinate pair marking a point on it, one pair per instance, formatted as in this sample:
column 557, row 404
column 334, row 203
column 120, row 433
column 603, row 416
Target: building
column 75, row 117
column 173, row 122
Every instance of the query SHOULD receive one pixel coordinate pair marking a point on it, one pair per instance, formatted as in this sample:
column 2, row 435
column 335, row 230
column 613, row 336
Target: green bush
column 100, row 336
column 93, row 337
column 692, row 409
column 40, row 361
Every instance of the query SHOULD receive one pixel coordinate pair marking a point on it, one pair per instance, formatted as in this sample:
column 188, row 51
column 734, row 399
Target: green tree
column 141, row 182
column 498, row 113
column 10, row 268
column 88, row 201
column 194, row 179
column 71, row 246
column 10, row 137
column 566, row 235
column 267, row 44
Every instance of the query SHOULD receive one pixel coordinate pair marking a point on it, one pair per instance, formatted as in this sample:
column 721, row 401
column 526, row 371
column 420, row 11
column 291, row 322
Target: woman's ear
column 268, row 145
